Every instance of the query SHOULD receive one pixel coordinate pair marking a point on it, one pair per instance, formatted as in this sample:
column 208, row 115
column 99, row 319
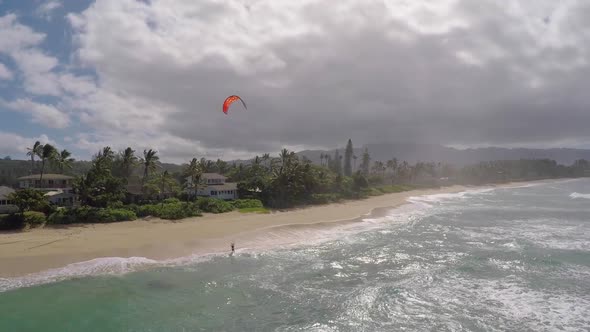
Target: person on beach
column 233, row 248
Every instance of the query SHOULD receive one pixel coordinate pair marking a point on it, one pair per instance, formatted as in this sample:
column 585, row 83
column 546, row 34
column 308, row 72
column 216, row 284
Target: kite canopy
column 229, row 100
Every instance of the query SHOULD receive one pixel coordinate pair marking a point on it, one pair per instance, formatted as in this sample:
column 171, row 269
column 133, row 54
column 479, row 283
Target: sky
column 153, row 74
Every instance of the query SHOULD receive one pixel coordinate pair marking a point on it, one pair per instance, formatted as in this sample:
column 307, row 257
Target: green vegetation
column 172, row 210
column 214, row 205
column 17, row 221
column 86, row 214
column 119, row 186
column 247, row 203
column 261, row 210
column 29, row 200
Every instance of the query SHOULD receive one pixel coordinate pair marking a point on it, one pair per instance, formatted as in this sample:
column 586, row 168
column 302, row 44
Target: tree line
column 282, row 180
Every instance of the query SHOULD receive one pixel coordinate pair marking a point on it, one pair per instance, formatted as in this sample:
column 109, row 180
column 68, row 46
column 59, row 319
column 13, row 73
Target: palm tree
column 285, row 159
column 221, row 166
column 165, row 180
column 266, row 159
column 378, row 167
column 47, row 153
column 149, row 161
column 106, row 153
column 194, row 170
column 36, row 150
column 128, row 161
column 63, row 161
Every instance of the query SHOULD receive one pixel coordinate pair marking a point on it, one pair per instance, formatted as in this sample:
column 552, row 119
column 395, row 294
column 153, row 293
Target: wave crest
column 578, row 195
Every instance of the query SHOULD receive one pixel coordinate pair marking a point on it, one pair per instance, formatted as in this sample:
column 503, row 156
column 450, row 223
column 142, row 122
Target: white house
column 57, row 187
column 6, row 205
column 214, row 185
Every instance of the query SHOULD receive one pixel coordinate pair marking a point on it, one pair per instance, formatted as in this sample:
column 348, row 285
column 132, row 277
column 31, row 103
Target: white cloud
column 46, row 115
column 5, row 73
column 46, row 9
column 315, row 73
column 37, row 69
column 15, row 145
column 15, row 36
column 21, row 43
column 406, row 69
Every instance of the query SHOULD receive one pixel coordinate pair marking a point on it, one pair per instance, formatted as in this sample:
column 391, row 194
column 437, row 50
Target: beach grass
column 260, row 210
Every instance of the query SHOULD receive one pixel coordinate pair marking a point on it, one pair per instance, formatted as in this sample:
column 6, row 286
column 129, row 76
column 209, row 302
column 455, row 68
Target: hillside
column 413, row 153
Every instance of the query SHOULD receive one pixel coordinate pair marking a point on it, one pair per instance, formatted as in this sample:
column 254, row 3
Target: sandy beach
column 41, row 249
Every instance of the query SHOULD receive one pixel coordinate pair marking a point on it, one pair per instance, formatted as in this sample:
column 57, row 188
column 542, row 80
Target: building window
column 64, row 182
column 213, row 193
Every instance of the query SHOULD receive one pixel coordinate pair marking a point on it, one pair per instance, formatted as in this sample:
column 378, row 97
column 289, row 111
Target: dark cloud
column 482, row 72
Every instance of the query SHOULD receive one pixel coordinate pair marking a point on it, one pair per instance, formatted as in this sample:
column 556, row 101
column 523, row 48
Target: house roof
column 47, row 177
column 207, row 176
column 5, row 191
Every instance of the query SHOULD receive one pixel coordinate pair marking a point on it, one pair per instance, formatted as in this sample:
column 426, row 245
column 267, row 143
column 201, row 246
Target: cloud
column 46, row 115
column 5, row 73
column 315, row 73
column 15, row 36
column 22, row 44
column 47, row 8
column 15, row 145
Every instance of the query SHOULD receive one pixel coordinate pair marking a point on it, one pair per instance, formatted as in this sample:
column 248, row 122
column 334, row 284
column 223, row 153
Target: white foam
column 578, row 195
column 429, row 200
column 95, row 267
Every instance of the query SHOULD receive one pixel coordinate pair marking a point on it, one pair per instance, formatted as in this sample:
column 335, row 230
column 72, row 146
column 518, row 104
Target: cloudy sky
column 153, row 74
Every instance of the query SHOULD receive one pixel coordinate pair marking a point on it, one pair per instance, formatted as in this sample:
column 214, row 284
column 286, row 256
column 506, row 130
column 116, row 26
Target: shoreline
column 49, row 248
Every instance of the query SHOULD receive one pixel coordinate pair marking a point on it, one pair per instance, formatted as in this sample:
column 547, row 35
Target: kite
column 229, row 100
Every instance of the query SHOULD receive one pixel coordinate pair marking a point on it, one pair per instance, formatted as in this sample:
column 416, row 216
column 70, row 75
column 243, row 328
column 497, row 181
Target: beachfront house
column 6, row 205
column 57, row 187
column 213, row 185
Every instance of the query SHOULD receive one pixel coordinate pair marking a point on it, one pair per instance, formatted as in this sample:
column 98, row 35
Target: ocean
column 498, row 259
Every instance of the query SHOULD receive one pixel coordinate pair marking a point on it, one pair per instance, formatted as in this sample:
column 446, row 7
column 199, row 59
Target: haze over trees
column 117, row 186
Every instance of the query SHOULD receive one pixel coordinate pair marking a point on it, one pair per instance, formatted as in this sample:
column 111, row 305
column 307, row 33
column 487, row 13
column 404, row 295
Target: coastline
column 47, row 248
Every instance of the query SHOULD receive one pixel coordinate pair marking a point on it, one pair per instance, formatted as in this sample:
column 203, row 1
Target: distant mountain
column 414, row 152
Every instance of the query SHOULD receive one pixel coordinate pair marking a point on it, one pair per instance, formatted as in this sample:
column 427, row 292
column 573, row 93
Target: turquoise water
column 489, row 260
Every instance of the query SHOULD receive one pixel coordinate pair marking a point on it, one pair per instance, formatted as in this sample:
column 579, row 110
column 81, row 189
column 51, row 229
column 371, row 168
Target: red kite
column 229, row 100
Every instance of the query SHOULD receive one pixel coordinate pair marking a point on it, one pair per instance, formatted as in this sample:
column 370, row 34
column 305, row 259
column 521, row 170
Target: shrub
column 90, row 215
column 247, row 203
column 370, row 192
column 133, row 207
column 11, row 222
column 260, row 210
column 214, row 205
column 34, row 218
column 17, row 221
column 114, row 215
column 171, row 200
column 172, row 211
column 115, row 205
column 324, row 198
